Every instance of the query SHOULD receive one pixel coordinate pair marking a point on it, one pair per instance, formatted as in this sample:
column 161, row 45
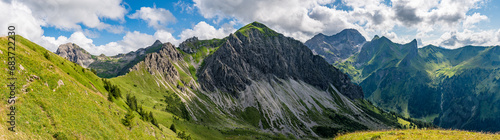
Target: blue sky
column 119, row 26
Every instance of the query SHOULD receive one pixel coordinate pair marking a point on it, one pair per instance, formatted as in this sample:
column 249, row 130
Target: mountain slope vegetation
column 453, row 88
column 59, row 99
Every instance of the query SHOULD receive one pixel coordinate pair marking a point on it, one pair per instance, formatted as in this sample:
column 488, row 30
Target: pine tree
column 153, row 119
column 172, row 127
column 129, row 118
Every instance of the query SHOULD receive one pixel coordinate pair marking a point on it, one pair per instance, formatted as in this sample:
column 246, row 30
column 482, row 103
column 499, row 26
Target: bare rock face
column 161, row 62
column 74, row 53
column 258, row 53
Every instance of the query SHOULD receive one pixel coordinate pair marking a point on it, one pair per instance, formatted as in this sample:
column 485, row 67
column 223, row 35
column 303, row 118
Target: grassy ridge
column 418, row 134
column 60, row 99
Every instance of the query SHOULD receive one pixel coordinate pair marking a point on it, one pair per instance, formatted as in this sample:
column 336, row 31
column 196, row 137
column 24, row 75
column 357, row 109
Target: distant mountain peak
column 383, row 38
column 336, row 47
column 157, row 42
column 258, row 55
column 74, row 53
column 259, row 26
column 319, row 35
column 349, row 31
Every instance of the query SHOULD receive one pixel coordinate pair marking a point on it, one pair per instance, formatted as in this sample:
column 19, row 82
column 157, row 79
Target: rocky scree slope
column 279, row 78
column 261, row 55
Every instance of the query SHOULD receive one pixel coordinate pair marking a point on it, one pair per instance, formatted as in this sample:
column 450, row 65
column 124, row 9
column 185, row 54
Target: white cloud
column 68, row 15
column 202, row 30
column 185, row 7
column 20, row 16
column 498, row 36
column 157, row 18
column 473, row 19
column 456, row 39
column 165, row 36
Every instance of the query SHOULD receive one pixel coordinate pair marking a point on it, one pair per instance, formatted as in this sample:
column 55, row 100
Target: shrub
column 113, row 90
column 183, row 135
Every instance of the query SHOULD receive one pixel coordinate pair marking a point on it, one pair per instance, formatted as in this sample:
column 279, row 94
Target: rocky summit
column 257, row 53
column 74, row 53
column 161, row 62
column 336, row 47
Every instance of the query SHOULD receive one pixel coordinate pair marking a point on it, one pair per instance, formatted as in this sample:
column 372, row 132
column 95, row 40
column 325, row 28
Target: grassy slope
column 143, row 85
column 75, row 110
column 418, row 134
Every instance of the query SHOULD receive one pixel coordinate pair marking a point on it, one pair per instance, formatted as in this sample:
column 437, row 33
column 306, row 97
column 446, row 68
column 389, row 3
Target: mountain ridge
column 266, row 86
column 431, row 83
column 106, row 66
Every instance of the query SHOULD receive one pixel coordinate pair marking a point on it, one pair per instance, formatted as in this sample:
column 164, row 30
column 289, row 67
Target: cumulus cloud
column 407, row 15
column 202, row 30
column 19, row 15
column 157, row 18
column 165, row 36
column 30, row 16
column 473, row 19
column 68, row 15
column 457, row 39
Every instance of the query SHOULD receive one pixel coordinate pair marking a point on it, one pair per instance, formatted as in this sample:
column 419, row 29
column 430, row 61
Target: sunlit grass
column 438, row 134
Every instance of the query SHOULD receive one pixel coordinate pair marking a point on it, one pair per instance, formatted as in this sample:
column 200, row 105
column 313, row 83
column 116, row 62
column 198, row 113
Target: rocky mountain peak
column 157, row 42
column 188, row 45
column 256, row 26
column 161, row 62
column 74, row 53
column 337, row 47
column 257, row 53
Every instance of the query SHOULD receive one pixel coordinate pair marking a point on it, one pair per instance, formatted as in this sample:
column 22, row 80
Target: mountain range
column 253, row 84
column 453, row 88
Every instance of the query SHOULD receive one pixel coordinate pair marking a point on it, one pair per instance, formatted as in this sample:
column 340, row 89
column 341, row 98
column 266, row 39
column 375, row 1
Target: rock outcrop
column 161, row 62
column 74, row 53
